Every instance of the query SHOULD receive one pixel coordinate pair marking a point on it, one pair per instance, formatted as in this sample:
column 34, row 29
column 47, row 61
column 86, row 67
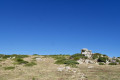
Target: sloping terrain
column 45, row 69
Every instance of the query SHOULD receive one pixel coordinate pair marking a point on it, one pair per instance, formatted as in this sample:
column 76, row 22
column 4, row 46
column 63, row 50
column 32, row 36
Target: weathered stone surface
column 90, row 67
column 86, row 52
column 80, row 61
column 38, row 59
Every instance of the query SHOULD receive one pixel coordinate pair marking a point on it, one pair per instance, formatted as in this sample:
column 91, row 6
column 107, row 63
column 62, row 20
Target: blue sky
column 59, row 26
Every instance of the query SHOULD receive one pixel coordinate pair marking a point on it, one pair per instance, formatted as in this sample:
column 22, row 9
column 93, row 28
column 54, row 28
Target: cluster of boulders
column 87, row 61
column 75, row 73
column 8, row 58
column 97, row 58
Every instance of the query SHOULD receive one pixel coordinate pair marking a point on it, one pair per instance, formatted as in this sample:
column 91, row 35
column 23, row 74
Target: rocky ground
column 47, row 70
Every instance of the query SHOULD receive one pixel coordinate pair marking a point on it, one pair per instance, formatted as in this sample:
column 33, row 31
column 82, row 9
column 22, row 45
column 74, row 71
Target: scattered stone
column 67, row 68
column 60, row 69
column 80, row 61
column 38, row 59
column 13, row 57
column 90, row 67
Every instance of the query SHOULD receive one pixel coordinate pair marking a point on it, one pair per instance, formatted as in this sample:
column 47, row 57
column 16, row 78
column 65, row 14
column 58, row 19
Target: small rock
column 91, row 67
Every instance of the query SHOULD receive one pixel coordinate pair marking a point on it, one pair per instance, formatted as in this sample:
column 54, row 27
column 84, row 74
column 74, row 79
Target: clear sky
column 59, row 26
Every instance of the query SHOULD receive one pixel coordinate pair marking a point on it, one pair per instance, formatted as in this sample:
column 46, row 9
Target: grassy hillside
column 36, row 67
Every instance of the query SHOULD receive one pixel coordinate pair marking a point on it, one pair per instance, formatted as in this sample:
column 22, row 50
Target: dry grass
column 47, row 70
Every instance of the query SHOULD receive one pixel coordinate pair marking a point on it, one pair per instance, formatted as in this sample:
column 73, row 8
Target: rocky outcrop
column 86, row 52
column 86, row 61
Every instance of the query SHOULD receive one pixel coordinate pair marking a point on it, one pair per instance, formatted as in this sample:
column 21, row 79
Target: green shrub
column 1, row 60
column 33, row 78
column 96, row 55
column 30, row 64
column 9, row 68
column 21, row 61
column 112, row 63
column 117, row 60
column 77, row 56
column 35, row 54
column 70, row 62
column 105, row 55
column 19, row 56
column 60, row 61
column 67, row 62
column 1, row 55
column 102, row 59
column 6, row 56
column 101, row 63
column 13, row 55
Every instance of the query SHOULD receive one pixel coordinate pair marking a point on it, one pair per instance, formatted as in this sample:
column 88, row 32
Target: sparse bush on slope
column 71, row 63
column 64, row 59
column 78, row 56
column 9, row 68
column 102, row 59
column 35, row 54
column 67, row 62
column 101, row 63
column 21, row 61
column 13, row 55
column 30, row 64
column 96, row 55
column 112, row 63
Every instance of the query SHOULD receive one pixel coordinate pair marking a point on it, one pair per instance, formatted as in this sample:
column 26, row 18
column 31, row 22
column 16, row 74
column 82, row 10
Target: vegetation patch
column 78, row 56
column 33, row 78
column 13, row 55
column 101, row 63
column 112, row 63
column 21, row 61
column 35, row 54
column 102, row 59
column 30, row 64
column 96, row 55
column 9, row 68
column 67, row 62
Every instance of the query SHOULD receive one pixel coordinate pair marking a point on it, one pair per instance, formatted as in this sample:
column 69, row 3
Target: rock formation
column 86, row 52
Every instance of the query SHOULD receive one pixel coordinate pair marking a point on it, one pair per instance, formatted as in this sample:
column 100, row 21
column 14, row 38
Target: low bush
column 33, row 78
column 30, row 64
column 9, row 68
column 117, row 60
column 60, row 61
column 13, row 55
column 67, row 62
column 101, row 63
column 1, row 60
column 96, row 55
column 71, row 63
column 112, row 63
column 1, row 55
column 77, row 56
column 105, row 55
column 102, row 59
column 18, row 56
column 35, row 54
column 21, row 61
